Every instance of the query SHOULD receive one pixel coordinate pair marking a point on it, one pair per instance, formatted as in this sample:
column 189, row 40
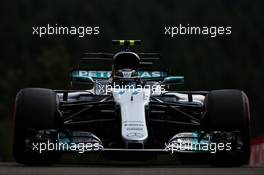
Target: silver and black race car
column 128, row 111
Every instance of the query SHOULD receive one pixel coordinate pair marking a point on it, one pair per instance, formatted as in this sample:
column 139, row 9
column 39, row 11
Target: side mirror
column 84, row 80
column 82, row 83
column 80, row 76
column 173, row 80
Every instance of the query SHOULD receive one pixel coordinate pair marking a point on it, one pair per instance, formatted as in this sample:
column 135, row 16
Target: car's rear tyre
column 228, row 110
column 35, row 108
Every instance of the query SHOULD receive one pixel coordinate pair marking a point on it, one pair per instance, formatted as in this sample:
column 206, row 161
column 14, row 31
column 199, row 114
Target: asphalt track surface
column 115, row 169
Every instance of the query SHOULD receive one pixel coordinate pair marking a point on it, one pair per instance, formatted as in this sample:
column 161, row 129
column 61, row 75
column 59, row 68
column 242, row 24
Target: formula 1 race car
column 127, row 111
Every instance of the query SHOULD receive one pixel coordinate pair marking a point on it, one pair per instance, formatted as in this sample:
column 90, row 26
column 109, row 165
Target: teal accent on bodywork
column 195, row 139
column 202, row 141
column 80, row 75
column 83, row 75
column 64, row 140
column 174, row 80
column 195, row 135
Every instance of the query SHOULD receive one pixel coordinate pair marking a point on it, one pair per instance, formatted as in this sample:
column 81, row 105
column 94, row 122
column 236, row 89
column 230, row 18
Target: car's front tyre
column 35, row 108
column 228, row 110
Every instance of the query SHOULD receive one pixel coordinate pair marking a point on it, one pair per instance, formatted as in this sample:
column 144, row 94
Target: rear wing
column 145, row 58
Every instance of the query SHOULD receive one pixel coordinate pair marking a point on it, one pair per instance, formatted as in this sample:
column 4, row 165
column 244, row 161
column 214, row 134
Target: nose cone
column 133, row 119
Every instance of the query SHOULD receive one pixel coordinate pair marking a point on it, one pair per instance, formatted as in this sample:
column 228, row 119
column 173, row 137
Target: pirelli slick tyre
column 228, row 110
column 35, row 108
